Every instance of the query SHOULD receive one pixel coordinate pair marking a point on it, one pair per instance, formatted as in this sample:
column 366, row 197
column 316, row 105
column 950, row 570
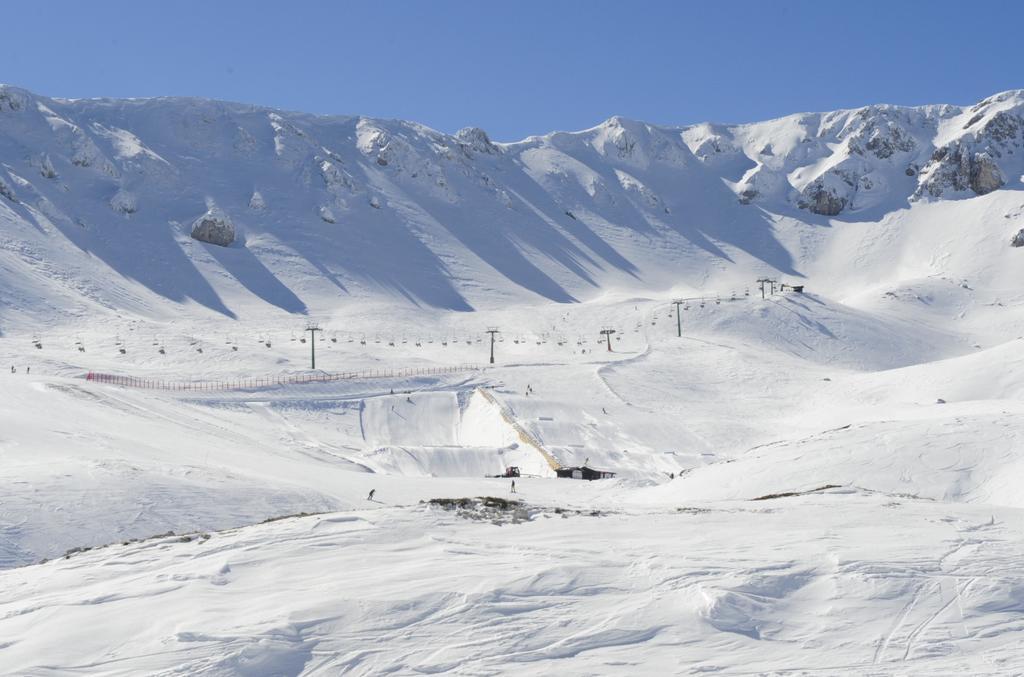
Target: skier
column 513, row 486
column 604, row 410
column 27, row 370
column 13, row 370
column 372, row 492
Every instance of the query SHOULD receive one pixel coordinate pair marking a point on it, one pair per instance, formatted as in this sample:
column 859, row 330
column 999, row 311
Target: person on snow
column 513, row 486
column 372, row 492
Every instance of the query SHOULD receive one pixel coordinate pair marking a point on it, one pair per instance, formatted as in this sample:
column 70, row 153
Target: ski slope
column 823, row 482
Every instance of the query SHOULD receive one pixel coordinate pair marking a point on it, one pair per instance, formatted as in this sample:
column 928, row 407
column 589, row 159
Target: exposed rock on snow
column 124, row 202
column 882, row 132
column 956, row 168
column 7, row 192
column 214, row 227
column 748, row 195
column 326, row 214
column 46, row 169
column 476, row 139
column 336, row 179
column 256, row 202
column 11, row 99
column 821, row 199
column 1018, row 239
column 985, row 176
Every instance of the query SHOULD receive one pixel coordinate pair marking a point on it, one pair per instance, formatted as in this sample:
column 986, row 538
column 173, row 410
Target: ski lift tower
column 312, row 329
column 492, row 331
column 679, row 320
column 607, row 333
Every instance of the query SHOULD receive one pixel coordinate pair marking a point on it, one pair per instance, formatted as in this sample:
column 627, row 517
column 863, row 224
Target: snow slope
column 815, row 483
column 99, row 198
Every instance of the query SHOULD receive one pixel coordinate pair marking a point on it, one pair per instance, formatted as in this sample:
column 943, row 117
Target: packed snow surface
column 815, row 482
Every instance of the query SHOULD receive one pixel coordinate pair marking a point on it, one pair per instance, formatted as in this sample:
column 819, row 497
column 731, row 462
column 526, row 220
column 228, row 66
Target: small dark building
column 583, row 473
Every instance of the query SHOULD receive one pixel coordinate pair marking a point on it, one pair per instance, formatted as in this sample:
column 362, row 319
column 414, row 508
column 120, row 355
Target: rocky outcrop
column 882, row 132
column 819, row 199
column 124, row 202
column 7, row 192
column 1018, row 239
column 214, row 227
column 12, row 100
column 832, row 192
column 476, row 140
column 46, row 169
column 747, row 195
column 984, row 175
column 955, row 167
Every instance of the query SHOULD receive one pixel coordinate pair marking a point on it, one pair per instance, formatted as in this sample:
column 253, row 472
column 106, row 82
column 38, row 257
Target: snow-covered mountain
column 101, row 200
column 818, row 482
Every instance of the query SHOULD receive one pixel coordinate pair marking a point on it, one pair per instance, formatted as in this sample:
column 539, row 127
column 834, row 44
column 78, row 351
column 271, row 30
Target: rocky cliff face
column 848, row 161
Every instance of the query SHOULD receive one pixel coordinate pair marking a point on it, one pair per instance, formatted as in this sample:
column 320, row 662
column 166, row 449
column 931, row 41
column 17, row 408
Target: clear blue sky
column 520, row 67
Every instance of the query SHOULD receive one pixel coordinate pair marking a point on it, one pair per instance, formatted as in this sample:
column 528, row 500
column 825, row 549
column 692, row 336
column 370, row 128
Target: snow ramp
column 448, row 434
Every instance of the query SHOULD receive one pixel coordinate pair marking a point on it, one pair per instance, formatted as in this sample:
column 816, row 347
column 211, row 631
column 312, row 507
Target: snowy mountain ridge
column 818, row 481
column 311, row 209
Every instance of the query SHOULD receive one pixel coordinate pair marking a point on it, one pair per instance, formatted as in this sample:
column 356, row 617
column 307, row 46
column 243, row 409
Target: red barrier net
column 273, row 381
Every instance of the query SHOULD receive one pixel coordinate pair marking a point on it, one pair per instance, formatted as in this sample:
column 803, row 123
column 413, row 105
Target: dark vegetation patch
column 493, row 509
column 787, row 494
column 288, row 517
column 184, row 538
